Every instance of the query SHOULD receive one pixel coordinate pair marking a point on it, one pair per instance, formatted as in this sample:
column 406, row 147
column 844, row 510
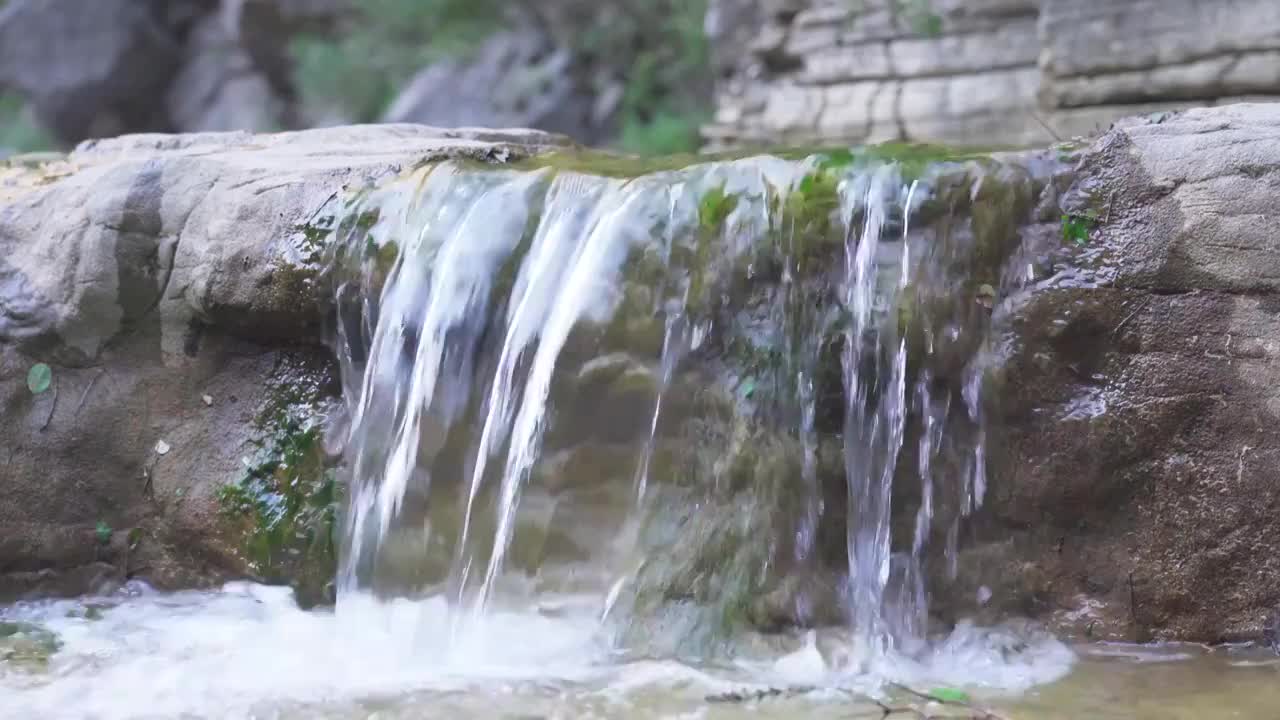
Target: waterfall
column 628, row 389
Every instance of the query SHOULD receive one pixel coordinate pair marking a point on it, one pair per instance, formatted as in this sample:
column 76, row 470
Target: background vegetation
column 18, row 132
column 656, row 50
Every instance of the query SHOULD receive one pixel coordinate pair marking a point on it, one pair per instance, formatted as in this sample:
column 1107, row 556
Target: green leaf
column 1076, row 227
column 950, row 695
column 103, row 531
column 39, row 378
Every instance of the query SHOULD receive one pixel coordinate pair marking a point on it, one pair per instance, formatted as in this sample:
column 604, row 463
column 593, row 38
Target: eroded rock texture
column 1138, row 393
column 994, row 72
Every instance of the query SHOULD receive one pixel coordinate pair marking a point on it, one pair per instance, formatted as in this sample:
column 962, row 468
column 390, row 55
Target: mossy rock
column 27, row 646
column 285, row 504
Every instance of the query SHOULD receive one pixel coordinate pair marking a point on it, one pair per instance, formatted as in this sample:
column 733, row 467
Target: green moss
column 636, row 327
column 607, row 164
column 310, row 237
column 714, row 208
column 914, row 158
column 719, row 556
column 285, row 503
column 355, row 252
column 1002, row 201
column 810, row 224
column 1077, row 227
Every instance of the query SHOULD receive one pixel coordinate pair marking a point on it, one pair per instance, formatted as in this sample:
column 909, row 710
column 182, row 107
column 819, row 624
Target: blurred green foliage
column 18, row 133
column 384, row 42
column 656, row 49
column 668, row 84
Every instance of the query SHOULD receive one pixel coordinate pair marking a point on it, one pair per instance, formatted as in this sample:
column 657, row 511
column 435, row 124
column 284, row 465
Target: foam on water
column 249, row 651
column 248, row 647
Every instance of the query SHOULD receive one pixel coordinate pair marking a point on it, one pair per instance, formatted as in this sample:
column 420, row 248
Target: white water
column 454, row 353
column 248, row 651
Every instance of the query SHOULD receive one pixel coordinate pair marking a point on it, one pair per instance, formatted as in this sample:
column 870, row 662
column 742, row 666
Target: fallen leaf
column 949, row 695
column 162, row 448
column 39, row 378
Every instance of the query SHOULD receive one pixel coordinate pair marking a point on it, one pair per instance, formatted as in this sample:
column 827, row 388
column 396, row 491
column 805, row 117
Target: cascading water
column 481, row 308
column 612, row 445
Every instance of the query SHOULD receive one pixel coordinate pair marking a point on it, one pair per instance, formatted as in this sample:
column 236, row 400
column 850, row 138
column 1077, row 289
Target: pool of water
column 247, row 651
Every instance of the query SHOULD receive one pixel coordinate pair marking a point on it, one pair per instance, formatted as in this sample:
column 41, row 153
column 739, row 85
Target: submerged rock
column 26, row 646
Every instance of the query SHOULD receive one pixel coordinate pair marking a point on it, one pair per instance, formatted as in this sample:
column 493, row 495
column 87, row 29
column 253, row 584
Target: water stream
column 627, row 447
column 459, row 345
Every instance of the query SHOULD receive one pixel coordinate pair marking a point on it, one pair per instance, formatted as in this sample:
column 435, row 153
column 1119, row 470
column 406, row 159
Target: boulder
column 104, row 68
column 92, row 69
column 994, row 72
column 220, row 87
column 514, row 79
column 1136, row 398
column 170, row 284
column 1191, row 50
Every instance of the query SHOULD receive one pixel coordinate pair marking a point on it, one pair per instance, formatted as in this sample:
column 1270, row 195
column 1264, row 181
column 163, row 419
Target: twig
column 321, row 208
column 1138, row 632
column 888, row 711
column 755, row 695
column 85, row 395
column 52, row 406
column 1044, row 124
column 884, row 709
column 979, row 713
column 1141, row 304
column 146, row 483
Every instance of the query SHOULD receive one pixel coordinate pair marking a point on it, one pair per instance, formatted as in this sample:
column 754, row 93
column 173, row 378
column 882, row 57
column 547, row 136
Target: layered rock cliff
column 986, row 72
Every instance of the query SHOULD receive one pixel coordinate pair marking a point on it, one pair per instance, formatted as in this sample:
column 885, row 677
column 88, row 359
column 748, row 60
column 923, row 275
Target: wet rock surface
column 1137, row 393
column 170, row 284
